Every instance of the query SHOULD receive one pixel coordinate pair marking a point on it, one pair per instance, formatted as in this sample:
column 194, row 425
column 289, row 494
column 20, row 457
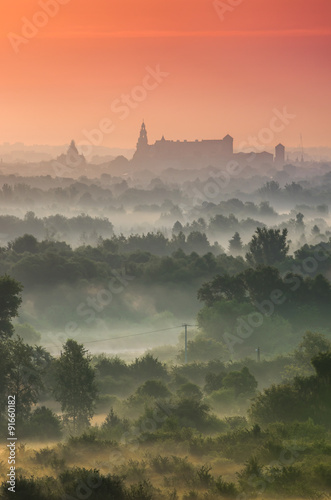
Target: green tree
column 75, row 386
column 203, row 348
column 148, row 367
column 322, row 365
column 23, row 377
column 26, row 243
column 6, row 366
column 189, row 391
column 44, row 423
column 278, row 403
column 242, row 382
column 10, row 300
column 197, row 242
column 154, row 389
column 267, row 247
column 260, row 282
column 311, row 345
column 214, row 382
column 270, row 189
column 235, row 245
column 191, row 412
column 223, row 287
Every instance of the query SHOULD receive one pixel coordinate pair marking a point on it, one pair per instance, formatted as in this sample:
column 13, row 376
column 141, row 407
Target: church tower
column 280, row 154
column 142, row 141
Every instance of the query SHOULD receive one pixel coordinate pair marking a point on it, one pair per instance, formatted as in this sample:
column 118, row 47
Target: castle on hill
column 199, row 153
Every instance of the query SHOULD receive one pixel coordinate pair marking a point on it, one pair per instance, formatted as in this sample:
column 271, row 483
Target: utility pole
column 185, row 325
column 258, row 354
column 185, row 343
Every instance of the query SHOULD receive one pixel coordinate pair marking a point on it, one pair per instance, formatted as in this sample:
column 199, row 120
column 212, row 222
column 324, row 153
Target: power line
column 125, row 336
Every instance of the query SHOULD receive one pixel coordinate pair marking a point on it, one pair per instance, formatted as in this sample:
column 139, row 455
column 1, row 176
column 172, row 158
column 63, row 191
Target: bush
column 161, row 465
column 323, row 472
column 227, row 490
column 189, row 390
column 236, row 422
column 147, row 368
column 77, row 482
column 44, row 424
column 142, row 491
column 49, row 457
column 32, row 489
column 154, row 389
column 132, row 470
column 204, row 476
column 114, row 426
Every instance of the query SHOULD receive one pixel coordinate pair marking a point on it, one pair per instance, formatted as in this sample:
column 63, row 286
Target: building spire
column 143, row 140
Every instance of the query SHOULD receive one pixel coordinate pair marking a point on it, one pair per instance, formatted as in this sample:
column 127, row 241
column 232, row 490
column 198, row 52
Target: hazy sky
column 225, row 76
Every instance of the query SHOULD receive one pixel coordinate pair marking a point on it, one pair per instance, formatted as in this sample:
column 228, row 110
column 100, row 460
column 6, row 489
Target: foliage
column 148, row 367
column 154, row 389
column 21, row 374
column 75, row 385
column 10, row 300
column 267, row 247
column 44, row 425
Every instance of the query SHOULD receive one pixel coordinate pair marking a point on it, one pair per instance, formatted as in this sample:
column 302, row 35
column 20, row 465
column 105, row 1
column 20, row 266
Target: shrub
column 49, row 457
column 132, row 470
column 44, row 424
column 142, row 491
column 227, row 490
column 154, row 389
column 205, row 478
column 77, row 482
column 32, row 489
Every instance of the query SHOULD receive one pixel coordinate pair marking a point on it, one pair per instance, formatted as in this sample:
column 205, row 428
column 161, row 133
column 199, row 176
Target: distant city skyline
column 212, row 76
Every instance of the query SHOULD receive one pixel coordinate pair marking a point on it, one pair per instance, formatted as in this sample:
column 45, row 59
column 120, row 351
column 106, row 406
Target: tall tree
column 267, row 247
column 25, row 377
column 20, row 375
column 235, row 245
column 75, row 385
column 10, row 300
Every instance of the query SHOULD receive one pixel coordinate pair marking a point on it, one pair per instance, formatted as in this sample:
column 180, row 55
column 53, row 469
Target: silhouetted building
column 192, row 151
column 280, row 154
column 72, row 158
column 262, row 158
column 142, row 144
column 215, row 152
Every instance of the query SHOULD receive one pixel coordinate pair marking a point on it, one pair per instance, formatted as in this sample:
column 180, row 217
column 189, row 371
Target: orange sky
column 224, row 76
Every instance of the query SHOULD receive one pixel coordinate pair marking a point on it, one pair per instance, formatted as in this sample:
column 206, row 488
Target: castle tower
column 228, row 145
column 280, row 154
column 142, row 141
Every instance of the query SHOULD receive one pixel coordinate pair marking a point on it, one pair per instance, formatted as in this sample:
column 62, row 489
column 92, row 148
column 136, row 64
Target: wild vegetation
column 92, row 342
